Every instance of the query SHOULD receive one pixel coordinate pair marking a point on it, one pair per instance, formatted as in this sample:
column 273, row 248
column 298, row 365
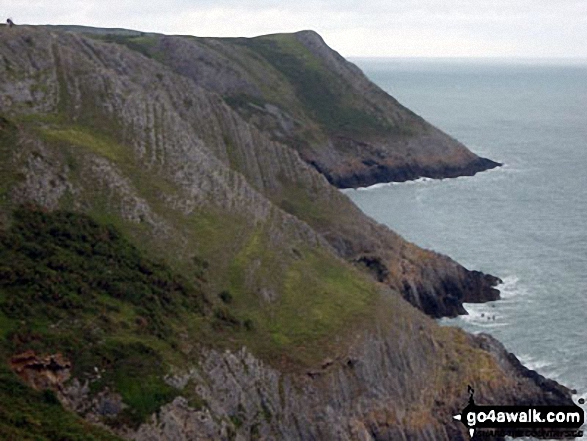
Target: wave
column 510, row 288
column 482, row 315
column 390, row 184
column 533, row 363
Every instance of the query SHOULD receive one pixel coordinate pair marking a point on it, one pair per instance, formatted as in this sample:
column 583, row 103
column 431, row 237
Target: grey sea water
column 525, row 222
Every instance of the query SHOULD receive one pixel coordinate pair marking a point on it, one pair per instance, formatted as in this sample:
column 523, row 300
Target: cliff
column 300, row 92
column 172, row 233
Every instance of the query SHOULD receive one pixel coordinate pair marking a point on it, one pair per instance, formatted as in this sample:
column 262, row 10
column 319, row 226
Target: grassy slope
column 316, row 300
column 73, row 286
column 55, row 270
column 323, row 97
column 27, row 415
column 311, row 280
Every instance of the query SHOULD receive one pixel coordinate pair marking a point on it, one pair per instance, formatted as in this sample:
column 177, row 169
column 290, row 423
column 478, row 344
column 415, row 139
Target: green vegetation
column 225, row 296
column 79, row 288
column 136, row 371
column 72, row 285
column 323, row 96
column 27, row 415
column 321, row 296
column 8, row 141
column 56, row 263
column 310, row 297
column 300, row 203
column 85, row 138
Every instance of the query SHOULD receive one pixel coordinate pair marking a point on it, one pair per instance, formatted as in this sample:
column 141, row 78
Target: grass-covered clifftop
column 189, row 267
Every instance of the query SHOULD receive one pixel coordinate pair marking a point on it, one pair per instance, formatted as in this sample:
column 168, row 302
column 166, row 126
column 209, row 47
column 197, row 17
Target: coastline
column 384, row 174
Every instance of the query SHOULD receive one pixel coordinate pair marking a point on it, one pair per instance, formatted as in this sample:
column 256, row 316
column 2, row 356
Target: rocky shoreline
column 376, row 173
column 446, row 298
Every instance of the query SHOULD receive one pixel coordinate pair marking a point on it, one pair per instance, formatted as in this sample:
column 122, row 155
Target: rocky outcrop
column 446, row 298
column 362, row 395
column 553, row 394
column 371, row 172
column 42, row 372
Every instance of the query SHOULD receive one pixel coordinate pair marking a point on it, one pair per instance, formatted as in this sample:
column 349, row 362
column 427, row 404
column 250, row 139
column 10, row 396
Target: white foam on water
column 505, row 168
column 482, row 317
column 533, row 363
column 390, row 184
column 478, row 312
column 372, row 187
column 511, row 288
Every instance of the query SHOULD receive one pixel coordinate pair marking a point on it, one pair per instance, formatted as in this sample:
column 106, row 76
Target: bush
column 225, row 318
column 226, row 297
column 61, row 262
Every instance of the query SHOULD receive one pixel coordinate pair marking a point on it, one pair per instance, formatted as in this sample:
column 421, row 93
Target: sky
column 369, row 28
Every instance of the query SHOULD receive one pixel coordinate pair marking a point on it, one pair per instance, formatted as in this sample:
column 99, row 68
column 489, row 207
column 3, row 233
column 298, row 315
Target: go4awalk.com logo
column 517, row 421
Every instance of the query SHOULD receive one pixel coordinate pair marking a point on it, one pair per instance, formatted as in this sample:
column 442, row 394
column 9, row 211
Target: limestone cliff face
column 396, row 380
column 190, row 137
column 163, row 147
column 357, row 136
column 382, row 389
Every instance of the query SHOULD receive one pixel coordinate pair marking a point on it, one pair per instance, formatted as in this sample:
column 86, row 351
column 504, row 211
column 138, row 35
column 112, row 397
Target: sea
column 525, row 222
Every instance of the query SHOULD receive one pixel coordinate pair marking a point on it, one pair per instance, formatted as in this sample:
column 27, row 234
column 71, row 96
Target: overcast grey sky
column 440, row 28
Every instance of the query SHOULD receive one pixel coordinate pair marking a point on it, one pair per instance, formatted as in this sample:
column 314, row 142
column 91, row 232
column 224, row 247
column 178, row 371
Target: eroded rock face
column 553, row 393
column 211, row 155
column 98, row 407
column 364, row 395
column 42, row 371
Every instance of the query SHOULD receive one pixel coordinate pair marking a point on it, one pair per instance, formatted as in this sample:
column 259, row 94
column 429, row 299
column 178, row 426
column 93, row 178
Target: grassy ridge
column 323, row 97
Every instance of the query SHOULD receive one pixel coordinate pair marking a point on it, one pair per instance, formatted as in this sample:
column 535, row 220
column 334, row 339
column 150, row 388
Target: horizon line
column 469, row 57
column 574, row 58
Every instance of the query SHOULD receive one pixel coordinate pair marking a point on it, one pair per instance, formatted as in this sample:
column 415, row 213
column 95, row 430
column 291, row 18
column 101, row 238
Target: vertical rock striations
column 207, row 155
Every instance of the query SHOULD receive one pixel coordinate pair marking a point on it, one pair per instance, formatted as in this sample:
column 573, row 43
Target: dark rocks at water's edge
column 371, row 173
column 481, row 288
column 447, row 299
column 553, row 393
column 444, row 294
